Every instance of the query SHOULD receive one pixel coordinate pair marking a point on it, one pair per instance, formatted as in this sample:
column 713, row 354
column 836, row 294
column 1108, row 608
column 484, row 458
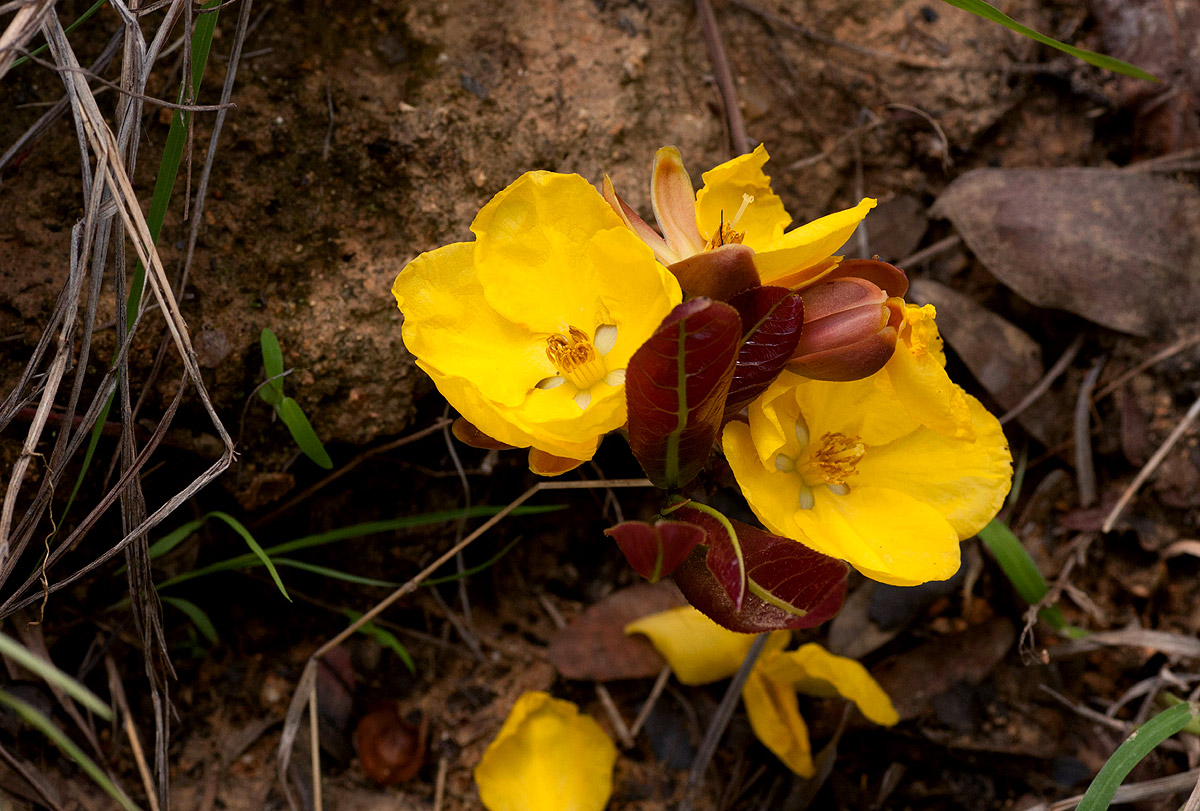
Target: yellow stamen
column 576, row 358
column 727, row 233
column 834, row 462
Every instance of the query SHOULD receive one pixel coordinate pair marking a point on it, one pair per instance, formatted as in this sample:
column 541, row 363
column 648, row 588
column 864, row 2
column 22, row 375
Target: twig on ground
column 301, row 696
column 1158, row 357
column 308, row 492
column 1151, row 465
column 1043, row 385
column 739, row 141
column 656, row 691
column 117, row 689
column 328, row 143
column 439, row 785
column 947, row 161
column 925, row 254
column 719, row 722
column 1085, row 470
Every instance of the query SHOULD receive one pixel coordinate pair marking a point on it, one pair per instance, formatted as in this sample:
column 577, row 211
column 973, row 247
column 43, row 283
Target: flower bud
column 850, row 329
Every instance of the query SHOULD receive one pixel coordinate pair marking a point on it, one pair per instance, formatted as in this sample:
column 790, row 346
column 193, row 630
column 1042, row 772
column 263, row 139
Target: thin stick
column 135, row 743
column 739, row 141
column 720, row 720
column 439, row 785
column 655, row 692
column 1159, row 357
column 925, row 254
column 1085, row 470
column 1151, row 465
column 315, row 744
column 305, row 685
column 1047, row 380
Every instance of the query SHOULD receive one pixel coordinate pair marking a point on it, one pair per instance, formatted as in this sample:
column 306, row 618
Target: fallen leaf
column 1121, row 249
column 594, row 644
column 914, row 678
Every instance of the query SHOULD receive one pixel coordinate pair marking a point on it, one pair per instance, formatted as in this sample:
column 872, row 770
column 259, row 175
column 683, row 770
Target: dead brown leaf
column 914, row 678
column 1121, row 249
column 594, row 644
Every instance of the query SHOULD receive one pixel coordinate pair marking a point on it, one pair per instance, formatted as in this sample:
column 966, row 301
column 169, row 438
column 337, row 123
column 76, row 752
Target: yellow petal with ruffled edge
column 916, row 376
column 981, row 478
column 815, row 671
column 809, row 245
column 774, row 714
column 724, row 191
column 538, row 263
column 698, row 650
column 547, row 757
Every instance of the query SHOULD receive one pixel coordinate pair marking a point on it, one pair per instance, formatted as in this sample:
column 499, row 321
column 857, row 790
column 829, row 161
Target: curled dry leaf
column 1121, row 249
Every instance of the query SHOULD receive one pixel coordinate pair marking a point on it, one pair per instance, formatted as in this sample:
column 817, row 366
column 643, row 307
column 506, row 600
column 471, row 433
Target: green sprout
column 288, row 409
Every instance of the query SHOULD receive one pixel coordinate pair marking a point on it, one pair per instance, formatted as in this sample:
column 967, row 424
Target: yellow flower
column 527, row 330
column 547, row 757
column 845, row 469
column 736, row 206
column 700, row 651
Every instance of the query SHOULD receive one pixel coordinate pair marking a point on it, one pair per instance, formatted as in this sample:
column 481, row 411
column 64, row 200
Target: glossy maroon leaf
column 790, row 585
column 654, row 550
column 771, row 321
column 675, row 387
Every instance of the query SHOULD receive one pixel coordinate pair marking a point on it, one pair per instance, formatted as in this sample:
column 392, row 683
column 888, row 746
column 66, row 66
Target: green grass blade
column 41, row 723
column 177, row 536
column 302, row 431
column 348, row 533
column 196, row 614
column 990, row 12
column 50, row 674
column 383, row 637
column 258, row 551
column 335, row 574
column 273, row 363
column 1023, row 573
column 487, row 564
column 1144, row 739
column 78, row 22
column 1015, row 561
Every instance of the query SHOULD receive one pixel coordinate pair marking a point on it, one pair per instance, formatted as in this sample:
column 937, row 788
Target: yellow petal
column 449, row 325
column 775, row 718
column 698, row 650
column 855, row 408
column 547, row 757
column 965, row 481
column 885, row 534
column 725, row 187
column 916, row 376
column 810, row 244
column 815, row 671
column 533, row 253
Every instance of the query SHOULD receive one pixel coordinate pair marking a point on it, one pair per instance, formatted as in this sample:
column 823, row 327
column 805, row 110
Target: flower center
column 576, row 358
column 580, row 361
column 833, row 464
column 727, row 233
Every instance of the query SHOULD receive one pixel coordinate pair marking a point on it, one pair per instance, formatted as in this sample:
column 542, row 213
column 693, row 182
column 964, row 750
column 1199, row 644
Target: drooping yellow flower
column 547, row 757
column 736, row 206
column 527, row 330
column 846, row 469
column 699, row 651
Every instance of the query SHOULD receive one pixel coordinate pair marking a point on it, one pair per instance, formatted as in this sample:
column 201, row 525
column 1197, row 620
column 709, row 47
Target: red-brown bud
column 720, row 273
column 850, row 329
column 391, row 749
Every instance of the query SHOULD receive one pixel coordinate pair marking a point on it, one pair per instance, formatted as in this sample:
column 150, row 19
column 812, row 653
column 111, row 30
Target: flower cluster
column 569, row 316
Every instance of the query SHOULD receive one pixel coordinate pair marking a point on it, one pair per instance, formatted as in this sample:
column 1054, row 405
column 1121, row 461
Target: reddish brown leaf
column 771, row 321
column 785, row 572
column 654, row 550
column 595, row 646
column 676, row 385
